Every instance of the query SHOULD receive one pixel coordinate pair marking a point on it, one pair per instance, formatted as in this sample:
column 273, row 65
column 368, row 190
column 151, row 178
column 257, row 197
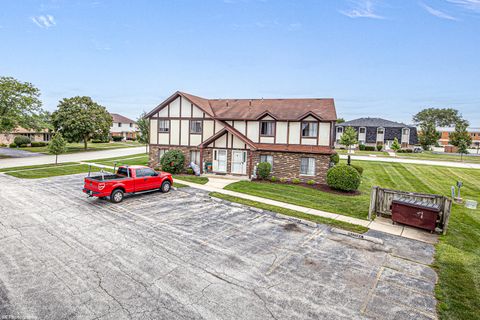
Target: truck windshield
column 122, row 171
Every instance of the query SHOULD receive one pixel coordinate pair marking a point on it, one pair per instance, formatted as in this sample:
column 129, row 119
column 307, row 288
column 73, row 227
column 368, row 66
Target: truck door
column 146, row 179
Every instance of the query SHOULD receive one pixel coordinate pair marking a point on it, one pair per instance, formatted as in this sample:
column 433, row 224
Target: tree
column 80, row 119
column 428, row 135
column 349, row 138
column 57, row 145
column 20, row 105
column 396, row 145
column 461, row 139
column 340, row 120
column 446, row 117
column 144, row 127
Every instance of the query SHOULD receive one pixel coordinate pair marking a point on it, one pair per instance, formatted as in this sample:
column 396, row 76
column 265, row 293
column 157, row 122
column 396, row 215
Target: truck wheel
column 116, row 196
column 166, row 186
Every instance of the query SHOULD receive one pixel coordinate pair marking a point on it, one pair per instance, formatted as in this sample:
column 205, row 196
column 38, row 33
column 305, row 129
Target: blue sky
column 386, row 58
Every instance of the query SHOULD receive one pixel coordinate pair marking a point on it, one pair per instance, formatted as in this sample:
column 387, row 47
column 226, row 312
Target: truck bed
column 107, row 177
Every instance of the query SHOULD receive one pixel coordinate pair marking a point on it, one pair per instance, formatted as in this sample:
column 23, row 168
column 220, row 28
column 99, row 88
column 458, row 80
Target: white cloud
column 467, row 4
column 437, row 13
column 44, row 21
column 362, row 9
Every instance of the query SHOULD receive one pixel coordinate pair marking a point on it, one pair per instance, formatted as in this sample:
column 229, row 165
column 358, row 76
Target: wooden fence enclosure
column 381, row 203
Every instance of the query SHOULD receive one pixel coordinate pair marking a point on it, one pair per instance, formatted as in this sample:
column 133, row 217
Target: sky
column 377, row 58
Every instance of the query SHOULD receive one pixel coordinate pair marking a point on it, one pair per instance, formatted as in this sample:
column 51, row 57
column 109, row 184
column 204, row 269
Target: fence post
column 447, row 209
column 373, row 202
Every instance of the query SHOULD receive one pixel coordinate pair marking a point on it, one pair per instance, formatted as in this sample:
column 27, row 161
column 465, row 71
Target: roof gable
column 120, row 119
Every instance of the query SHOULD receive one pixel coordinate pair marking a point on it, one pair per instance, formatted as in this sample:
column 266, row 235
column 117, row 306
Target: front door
column 220, row 160
column 239, row 162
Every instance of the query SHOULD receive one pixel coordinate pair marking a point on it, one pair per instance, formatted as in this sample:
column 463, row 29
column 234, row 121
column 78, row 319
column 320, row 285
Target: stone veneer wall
column 287, row 165
column 153, row 160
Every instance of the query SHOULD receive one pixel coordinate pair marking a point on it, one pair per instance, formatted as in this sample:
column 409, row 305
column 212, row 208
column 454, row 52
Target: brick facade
column 285, row 164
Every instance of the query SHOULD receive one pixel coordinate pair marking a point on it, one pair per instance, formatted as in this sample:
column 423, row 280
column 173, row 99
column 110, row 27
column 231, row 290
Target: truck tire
column 116, row 196
column 166, row 186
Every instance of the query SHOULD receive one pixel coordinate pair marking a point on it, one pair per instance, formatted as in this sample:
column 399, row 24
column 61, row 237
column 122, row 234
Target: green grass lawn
column 457, row 258
column 37, row 166
column 191, row 178
column 292, row 213
column 363, row 153
column 78, row 147
column 134, row 159
column 428, row 155
column 49, row 171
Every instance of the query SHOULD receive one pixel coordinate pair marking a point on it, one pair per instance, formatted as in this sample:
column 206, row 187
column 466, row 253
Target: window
column 380, row 131
column 307, row 166
column 131, row 125
column 195, row 157
column 161, row 152
column 196, row 126
column 309, row 129
column 123, row 171
column 266, row 158
column 339, row 129
column 362, row 130
column 163, row 125
column 267, row 128
column 119, row 124
column 145, row 172
column 405, row 131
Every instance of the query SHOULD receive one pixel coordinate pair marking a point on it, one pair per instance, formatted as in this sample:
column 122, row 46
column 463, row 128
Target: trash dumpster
column 416, row 213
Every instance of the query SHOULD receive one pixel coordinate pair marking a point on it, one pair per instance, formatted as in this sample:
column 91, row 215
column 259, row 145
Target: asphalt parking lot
column 182, row 255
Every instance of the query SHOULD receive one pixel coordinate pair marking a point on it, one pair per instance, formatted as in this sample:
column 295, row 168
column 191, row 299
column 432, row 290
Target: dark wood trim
column 232, row 141
column 180, row 111
column 191, row 110
column 226, row 140
column 246, row 129
column 168, row 111
column 288, row 132
column 180, row 130
column 214, row 128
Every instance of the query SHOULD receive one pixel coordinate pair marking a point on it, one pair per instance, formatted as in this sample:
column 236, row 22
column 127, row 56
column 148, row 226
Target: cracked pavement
column 182, row 255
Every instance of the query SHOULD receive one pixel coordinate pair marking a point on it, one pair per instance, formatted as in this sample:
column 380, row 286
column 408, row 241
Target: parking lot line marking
column 372, row 290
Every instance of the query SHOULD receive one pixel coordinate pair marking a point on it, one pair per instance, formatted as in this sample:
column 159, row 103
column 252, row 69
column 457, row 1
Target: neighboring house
column 34, row 135
column 231, row 136
column 123, row 127
column 445, row 136
column 374, row 131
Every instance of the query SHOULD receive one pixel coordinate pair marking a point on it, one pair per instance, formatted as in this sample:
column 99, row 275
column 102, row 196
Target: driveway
column 72, row 157
column 182, row 255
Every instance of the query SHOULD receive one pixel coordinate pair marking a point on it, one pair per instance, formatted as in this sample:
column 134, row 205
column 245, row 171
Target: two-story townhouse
column 123, row 127
column 231, row 136
column 374, row 131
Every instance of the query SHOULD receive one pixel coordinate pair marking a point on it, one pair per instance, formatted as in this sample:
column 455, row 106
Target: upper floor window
column 380, row 131
column 405, row 131
column 309, row 129
column 196, row 126
column 163, row 125
column 362, row 130
column 119, row 124
column 131, row 125
column 339, row 129
column 267, row 128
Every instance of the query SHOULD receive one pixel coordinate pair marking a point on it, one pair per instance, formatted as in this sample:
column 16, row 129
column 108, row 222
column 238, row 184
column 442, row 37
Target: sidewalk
column 415, row 161
column 380, row 224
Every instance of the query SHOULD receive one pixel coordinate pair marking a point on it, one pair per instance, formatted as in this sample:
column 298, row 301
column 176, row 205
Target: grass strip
column 179, row 185
column 49, row 171
column 292, row 213
column 39, row 166
column 190, row 178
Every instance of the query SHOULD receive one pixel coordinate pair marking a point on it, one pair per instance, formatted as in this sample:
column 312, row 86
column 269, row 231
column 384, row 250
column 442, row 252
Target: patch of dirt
column 317, row 186
column 292, row 227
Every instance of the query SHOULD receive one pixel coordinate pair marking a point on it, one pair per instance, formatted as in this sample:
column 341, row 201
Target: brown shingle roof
column 119, row 118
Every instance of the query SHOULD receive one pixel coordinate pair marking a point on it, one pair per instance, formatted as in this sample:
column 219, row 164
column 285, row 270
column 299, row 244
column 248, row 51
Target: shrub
column 273, row 179
column 12, row 145
column 117, row 138
column 335, row 158
column 362, row 147
column 311, row 182
column 283, row 180
column 2, row 145
column 263, row 169
column 19, row 140
column 379, row 147
column 343, row 177
column 38, row 144
column 369, row 148
column 97, row 141
column 172, row 161
column 295, row 180
column 358, row 168
column 405, row 151
column 190, row 171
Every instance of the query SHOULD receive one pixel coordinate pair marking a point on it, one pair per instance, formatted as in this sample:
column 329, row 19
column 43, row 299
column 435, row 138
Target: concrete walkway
column 416, row 161
column 72, row 157
column 379, row 224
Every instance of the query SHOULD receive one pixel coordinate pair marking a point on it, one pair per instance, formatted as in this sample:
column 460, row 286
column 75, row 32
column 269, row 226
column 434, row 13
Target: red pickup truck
column 127, row 179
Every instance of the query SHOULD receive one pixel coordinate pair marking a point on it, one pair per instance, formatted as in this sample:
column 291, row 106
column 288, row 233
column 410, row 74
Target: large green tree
column 80, row 119
column 349, row 137
column 20, row 106
column 429, row 119
column 144, row 127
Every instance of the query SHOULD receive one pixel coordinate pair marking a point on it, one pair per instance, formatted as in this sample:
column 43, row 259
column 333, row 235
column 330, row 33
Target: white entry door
column 220, row 160
column 239, row 162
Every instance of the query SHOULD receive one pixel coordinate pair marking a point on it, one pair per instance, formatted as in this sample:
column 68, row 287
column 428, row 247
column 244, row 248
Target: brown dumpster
column 415, row 213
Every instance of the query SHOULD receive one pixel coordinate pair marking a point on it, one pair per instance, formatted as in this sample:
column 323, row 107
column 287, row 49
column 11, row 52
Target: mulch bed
column 317, row 186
